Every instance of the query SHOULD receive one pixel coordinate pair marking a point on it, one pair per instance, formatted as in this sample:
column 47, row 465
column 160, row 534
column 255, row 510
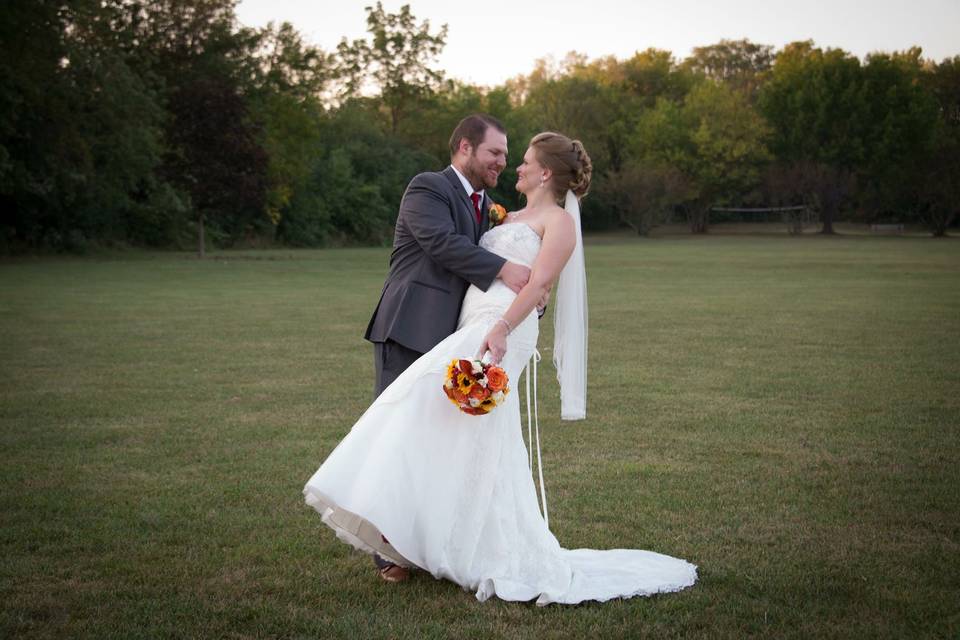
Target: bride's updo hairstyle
column 567, row 160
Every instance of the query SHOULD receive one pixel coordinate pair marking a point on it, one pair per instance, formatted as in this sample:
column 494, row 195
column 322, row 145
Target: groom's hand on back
column 514, row 275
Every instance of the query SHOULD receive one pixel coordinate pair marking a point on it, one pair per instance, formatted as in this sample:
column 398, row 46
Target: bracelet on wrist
column 506, row 324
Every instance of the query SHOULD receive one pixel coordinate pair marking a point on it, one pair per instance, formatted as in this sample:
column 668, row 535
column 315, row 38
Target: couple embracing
column 421, row 485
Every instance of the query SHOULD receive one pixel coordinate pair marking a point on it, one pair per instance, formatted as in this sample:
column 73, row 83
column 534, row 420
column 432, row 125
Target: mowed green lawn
column 783, row 412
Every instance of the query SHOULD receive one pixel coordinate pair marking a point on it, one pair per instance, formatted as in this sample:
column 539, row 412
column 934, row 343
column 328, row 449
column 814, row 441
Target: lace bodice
column 519, row 243
column 515, row 241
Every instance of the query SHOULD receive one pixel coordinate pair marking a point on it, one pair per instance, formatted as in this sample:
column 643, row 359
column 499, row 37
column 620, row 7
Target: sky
column 490, row 42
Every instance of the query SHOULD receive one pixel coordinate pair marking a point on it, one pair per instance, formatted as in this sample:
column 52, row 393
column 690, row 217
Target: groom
column 435, row 254
column 436, row 257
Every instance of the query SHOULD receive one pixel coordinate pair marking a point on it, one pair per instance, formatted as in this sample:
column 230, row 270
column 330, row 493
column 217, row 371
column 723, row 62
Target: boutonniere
column 497, row 214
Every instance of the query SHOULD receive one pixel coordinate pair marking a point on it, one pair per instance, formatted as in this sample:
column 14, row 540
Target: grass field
column 783, row 412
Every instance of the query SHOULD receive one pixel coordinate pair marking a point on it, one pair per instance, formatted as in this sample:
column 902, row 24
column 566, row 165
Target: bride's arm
column 559, row 239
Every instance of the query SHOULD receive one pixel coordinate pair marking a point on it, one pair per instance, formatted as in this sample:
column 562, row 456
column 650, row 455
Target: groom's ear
column 464, row 146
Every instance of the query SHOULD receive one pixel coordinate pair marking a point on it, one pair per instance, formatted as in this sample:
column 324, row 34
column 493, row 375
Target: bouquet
column 497, row 215
column 474, row 386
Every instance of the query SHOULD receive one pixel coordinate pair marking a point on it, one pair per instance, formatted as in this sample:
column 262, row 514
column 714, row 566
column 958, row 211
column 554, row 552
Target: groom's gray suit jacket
column 435, row 258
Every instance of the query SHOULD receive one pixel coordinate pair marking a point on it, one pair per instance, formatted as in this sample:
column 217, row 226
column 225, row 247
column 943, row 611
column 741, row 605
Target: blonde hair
column 567, row 160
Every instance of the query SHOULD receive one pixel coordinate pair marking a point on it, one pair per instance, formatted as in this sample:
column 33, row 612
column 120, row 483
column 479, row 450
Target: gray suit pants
column 390, row 359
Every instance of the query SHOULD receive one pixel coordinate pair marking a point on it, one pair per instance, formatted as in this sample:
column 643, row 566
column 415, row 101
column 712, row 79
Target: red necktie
column 476, row 204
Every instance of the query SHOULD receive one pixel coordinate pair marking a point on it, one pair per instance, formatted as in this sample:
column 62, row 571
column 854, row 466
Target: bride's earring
column 542, row 179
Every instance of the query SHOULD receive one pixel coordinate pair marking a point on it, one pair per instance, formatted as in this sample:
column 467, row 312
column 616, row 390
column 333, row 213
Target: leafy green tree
column 290, row 137
column 652, row 74
column 282, row 63
column 201, row 60
column 739, row 64
column 32, row 97
column 289, row 80
column 646, row 194
column 396, row 59
column 147, row 121
column 587, row 102
column 715, row 139
column 873, row 123
column 939, row 194
column 803, row 183
column 81, row 135
column 355, row 184
column 813, row 101
column 219, row 160
column 899, row 132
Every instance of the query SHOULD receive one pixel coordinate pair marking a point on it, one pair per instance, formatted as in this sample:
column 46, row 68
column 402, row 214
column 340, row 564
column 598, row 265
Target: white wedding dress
column 454, row 493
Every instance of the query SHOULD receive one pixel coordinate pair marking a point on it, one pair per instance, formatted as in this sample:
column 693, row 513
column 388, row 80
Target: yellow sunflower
column 464, row 383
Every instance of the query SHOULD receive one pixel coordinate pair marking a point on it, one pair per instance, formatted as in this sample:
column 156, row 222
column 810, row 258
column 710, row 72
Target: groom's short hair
column 474, row 129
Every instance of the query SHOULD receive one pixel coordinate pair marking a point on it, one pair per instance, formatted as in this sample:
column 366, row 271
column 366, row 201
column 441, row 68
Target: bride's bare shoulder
column 557, row 218
column 559, row 230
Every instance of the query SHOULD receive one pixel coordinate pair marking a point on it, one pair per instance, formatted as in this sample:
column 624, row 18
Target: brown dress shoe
column 394, row 573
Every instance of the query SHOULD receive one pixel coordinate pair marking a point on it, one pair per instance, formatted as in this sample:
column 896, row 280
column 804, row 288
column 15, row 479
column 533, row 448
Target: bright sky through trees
column 492, row 41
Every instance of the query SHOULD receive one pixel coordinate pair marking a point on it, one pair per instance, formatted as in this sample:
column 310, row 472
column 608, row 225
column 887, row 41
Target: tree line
column 166, row 123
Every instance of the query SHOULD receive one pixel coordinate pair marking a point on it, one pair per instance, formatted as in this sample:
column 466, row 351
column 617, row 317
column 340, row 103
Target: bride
column 424, row 485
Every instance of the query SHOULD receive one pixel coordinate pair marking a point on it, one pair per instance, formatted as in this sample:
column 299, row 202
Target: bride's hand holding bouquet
column 495, row 342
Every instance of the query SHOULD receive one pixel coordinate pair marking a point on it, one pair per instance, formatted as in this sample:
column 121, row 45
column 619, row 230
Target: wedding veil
column 570, row 326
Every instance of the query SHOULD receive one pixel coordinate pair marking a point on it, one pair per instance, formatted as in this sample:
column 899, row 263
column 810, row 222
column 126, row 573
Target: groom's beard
column 478, row 174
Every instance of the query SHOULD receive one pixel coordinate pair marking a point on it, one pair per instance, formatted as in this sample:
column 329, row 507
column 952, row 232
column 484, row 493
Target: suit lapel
column 484, row 214
column 466, row 201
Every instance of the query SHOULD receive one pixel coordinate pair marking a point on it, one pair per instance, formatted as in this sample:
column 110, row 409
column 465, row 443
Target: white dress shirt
column 466, row 184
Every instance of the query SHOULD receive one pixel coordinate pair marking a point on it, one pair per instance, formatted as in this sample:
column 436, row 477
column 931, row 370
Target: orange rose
column 496, row 379
column 497, row 214
column 478, row 392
